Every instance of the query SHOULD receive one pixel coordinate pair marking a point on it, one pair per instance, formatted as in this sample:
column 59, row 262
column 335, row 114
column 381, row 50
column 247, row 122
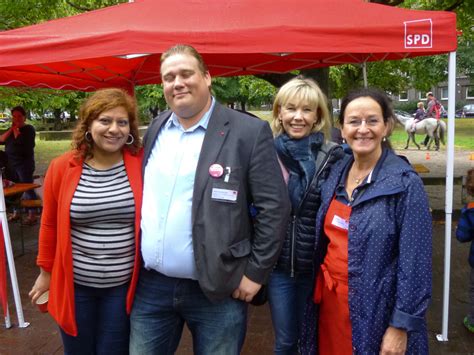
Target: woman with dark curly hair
column 88, row 244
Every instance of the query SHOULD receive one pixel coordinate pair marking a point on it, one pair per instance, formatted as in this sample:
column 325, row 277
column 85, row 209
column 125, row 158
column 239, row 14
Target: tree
column 246, row 90
column 18, row 13
column 150, row 99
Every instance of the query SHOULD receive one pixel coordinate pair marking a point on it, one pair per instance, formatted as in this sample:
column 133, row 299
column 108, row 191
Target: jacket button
column 352, row 228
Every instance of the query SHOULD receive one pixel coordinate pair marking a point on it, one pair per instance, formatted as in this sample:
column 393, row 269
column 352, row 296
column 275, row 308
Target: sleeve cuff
column 407, row 321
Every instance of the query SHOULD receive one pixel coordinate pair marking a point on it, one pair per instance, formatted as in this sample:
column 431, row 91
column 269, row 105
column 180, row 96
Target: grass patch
column 463, row 140
column 45, row 151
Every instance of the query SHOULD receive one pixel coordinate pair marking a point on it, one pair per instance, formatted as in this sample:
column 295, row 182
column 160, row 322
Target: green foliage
column 150, row 101
column 41, row 101
column 408, row 106
column 247, row 90
column 19, row 13
column 258, row 91
column 227, row 90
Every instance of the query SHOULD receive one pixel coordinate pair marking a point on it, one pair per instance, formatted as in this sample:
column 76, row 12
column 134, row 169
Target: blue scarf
column 299, row 157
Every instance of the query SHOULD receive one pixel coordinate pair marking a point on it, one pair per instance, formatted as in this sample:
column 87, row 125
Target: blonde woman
column 300, row 121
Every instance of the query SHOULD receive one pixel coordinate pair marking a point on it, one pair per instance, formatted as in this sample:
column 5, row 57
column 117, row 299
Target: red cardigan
column 55, row 250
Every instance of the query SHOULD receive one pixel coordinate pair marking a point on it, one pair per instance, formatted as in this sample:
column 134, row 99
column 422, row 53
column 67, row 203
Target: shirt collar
column 203, row 122
column 369, row 178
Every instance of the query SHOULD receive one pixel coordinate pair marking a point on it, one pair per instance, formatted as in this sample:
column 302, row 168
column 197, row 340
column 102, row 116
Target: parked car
column 468, row 111
column 4, row 117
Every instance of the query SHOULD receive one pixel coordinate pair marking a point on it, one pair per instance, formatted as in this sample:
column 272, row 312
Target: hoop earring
column 88, row 136
column 128, row 139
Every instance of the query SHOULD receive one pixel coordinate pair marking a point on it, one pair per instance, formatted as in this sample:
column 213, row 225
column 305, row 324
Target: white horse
column 432, row 127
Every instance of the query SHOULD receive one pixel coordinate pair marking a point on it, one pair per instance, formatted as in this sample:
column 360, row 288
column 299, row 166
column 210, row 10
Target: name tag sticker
column 224, row 194
column 340, row 222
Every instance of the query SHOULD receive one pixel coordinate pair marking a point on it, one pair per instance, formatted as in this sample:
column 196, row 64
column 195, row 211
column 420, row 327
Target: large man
column 204, row 258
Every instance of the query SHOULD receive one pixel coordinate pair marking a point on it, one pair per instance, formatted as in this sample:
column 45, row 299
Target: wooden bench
column 31, row 203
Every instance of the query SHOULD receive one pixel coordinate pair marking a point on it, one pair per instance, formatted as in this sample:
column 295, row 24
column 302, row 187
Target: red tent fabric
column 121, row 45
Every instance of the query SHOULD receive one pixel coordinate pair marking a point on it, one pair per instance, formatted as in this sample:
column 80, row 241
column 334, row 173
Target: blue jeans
column 102, row 321
column 287, row 297
column 163, row 304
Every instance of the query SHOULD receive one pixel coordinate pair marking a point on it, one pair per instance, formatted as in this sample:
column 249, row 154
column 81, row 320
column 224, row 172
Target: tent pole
column 364, row 73
column 11, row 262
column 449, row 194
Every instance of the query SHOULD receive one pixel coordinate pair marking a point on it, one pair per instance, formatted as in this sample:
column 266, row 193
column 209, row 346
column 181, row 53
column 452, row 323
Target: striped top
column 102, row 227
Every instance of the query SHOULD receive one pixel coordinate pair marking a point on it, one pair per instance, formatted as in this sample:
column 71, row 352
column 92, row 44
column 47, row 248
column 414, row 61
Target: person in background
column 374, row 229
column 300, row 122
column 465, row 233
column 19, row 142
column 434, row 109
column 88, row 250
column 419, row 115
column 204, row 256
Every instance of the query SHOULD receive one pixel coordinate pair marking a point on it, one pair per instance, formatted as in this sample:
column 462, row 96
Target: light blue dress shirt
column 167, row 244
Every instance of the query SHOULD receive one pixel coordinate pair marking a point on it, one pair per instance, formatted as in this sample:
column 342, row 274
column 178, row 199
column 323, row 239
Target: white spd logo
column 419, row 34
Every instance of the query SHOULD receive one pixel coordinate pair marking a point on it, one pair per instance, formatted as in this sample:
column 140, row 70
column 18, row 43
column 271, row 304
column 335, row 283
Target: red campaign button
column 216, row 170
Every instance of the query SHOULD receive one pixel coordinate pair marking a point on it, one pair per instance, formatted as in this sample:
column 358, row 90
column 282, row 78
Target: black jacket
column 298, row 247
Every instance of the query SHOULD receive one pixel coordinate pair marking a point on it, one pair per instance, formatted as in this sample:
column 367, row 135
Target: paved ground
column 435, row 162
column 42, row 336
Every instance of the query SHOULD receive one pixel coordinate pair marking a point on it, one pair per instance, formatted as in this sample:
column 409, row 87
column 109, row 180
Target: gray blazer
column 227, row 242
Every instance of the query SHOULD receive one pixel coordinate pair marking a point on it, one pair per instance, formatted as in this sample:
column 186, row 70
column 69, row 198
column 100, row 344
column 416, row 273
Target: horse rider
column 419, row 115
column 433, row 110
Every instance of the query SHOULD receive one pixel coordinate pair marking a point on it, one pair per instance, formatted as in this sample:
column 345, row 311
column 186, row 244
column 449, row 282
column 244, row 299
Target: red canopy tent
column 121, row 46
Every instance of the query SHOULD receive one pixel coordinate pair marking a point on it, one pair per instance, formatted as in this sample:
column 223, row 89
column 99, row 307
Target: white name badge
column 340, row 222
column 224, row 194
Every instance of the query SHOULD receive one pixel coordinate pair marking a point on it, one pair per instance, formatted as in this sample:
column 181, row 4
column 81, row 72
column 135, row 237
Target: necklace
column 359, row 179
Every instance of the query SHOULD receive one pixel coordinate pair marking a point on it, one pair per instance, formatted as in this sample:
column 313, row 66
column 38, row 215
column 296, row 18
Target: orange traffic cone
column 427, row 156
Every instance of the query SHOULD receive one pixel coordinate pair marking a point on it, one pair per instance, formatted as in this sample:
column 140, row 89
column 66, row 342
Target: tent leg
column 10, row 259
column 449, row 194
column 364, row 73
column 8, row 324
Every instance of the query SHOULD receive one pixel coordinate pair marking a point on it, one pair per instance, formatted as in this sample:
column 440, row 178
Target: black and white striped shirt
column 102, row 227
